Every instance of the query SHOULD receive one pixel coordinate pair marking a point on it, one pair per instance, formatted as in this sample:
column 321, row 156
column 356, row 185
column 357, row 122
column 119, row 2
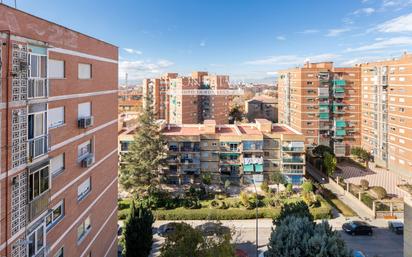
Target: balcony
column 293, row 149
column 39, row 205
column 340, row 123
column 293, row 160
column 249, row 168
column 339, row 149
column 339, row 82
column 323, row 92
column 37, row 88
column 37, row 147
column 194, row 148
column 189, row 171
column 324, row 76
column 338, row 110
column 293, row 171
column 324, row 116
column 190, row 161
column 340, row 133
column 229, row 162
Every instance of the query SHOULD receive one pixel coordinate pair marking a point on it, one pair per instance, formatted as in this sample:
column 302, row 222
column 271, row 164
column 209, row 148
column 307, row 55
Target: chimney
column 210, row 126
column 264, row 125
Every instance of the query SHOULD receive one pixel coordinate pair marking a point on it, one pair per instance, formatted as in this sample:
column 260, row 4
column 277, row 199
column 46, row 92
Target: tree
column 299, row 236
column 236, row 114
column 364, row 184
column 330, row 163
column 138, row 237
column 278, row 178
column 361, row 154
column 147, row 153
column 298, row 209
column 187, row 241
column 207, row 178
column 320, row 150
column 264, row 186
column 307, row 186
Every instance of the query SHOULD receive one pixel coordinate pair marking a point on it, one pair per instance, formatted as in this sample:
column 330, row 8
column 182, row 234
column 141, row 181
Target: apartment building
column 387, row 112
column 262, row 107
column 130, row 100
column 189, row 99
column 157, row 89
column 229, row 152
column 322, row 102
column 58, row 172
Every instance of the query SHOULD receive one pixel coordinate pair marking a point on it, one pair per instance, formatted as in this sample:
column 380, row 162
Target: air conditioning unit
column 87, row 162
column 85, row 122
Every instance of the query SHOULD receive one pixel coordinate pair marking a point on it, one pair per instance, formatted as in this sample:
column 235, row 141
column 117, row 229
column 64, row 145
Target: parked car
column 357, row 228
column 119, row 230
column 262, row 251
column 167, row 229
column 213, row 228
column 358, row 254
column 396, row 226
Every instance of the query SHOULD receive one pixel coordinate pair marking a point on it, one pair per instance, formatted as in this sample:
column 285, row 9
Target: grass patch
column 334, row 201
column 367, row 200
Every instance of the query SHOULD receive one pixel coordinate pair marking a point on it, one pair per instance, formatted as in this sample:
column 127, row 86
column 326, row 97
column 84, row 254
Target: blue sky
column 246, row 39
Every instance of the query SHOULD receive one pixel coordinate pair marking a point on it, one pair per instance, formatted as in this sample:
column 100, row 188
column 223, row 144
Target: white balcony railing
column 37, row 88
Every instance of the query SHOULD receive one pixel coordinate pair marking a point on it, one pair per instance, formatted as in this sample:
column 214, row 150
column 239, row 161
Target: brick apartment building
column 322, row 102
column 387, row 112
column 58, row 173
column 130, row 100
column 262, row 107
column 229, row 152
column 177, row 108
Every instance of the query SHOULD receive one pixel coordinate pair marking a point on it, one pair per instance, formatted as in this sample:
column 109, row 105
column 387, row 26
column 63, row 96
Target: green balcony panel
column 341, row 132
column 248, row 168
column 324, row 116
column 338, row 104
column 326, row 105
column 339, row 90
column 340, row 123
column 258, row 167
column 229, row 154
column 339, row 82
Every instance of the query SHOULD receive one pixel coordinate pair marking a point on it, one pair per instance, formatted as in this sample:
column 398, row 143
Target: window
column 39, row 182
column 57, row 164
column 56, row 69
column 401, row 78
column 401, row 109
column 55, row 117
column 59, row 253
column 85, row 71
column 83, row 229
column 37, row 241
column 84, row 110
column 55, row 215
column 83, row 189
column 309, row 83
column 84, row 150
column 38, row 66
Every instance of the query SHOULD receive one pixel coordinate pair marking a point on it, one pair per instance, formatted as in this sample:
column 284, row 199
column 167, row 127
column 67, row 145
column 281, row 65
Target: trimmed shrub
column 367, row 200
column 289, row 188
column 378, row 192
column 310, row 199
column 364, row 184
column 122, row 214
column 217, row 204
column 244, row 199
column 307, row 186
column 124, row 204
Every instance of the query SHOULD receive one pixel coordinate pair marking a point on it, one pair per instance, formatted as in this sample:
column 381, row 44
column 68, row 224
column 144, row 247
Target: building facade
column 58, row 173
column 230, row 152
column 387, row 112
column 322, row 102
column 179, row 99
column 262, row 107
column 130, row 101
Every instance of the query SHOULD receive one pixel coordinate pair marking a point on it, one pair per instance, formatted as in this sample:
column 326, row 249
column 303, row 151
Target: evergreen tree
column 297, row 209
column 137, row 234
column 146, row 155
column 329, row 162
column 236, row 114
column 278, row 178
column 299, row 236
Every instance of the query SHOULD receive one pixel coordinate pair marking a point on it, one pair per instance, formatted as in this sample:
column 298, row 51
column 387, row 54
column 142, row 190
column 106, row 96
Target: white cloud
column 291, row 59
column 395, row 4
column 366, row 11
column 336, row 32
column 391, row 42
column 351, row 62
column 309, row 31
column 132, row 51
column 272, row 73
column 139, row 69
column 399, row 24
column 280, row 38
column 202, row 43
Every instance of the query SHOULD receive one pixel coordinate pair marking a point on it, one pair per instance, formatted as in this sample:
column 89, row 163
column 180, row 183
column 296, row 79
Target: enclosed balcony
column 338, row 109
column 294, row 147
column 38, row 189
column 37, row 88
column 252, row 146
column 339, row 82
column 293, row 160
column 324, row 116
column 189, row 147
column 230, row 147
column 252, row 168
column 323, row 92
column 37, row 139
column 339, row 92
column 340, row 133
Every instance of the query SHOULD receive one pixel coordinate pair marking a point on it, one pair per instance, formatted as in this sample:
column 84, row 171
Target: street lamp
column 252, row 179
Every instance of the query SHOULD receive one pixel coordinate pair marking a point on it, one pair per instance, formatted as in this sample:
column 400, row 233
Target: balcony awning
column 339, row 82
column 339, row 90
column 340, row 132
column 229, row 154
column 324, row 116
column 340, row 123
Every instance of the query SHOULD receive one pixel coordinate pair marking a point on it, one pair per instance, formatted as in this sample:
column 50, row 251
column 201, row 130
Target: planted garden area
column 197, row 204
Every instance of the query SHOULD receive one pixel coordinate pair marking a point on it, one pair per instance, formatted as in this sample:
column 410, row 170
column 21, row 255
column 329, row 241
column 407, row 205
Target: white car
column 262, row 251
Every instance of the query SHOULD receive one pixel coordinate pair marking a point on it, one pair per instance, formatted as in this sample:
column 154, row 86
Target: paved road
column 383, row 243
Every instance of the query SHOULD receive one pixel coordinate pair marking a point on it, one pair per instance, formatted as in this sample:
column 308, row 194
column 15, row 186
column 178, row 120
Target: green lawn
column 334, row 201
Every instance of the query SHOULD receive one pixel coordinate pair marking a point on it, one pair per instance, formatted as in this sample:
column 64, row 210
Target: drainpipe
column 9, row 49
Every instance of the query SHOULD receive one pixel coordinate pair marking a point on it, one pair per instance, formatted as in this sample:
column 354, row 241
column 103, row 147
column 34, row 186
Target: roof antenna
column 15, row 3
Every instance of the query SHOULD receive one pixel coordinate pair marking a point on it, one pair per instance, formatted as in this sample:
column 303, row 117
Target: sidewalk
column 356, row 206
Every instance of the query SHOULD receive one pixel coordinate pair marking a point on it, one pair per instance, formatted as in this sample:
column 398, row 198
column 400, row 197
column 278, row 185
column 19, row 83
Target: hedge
column 323, row 212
